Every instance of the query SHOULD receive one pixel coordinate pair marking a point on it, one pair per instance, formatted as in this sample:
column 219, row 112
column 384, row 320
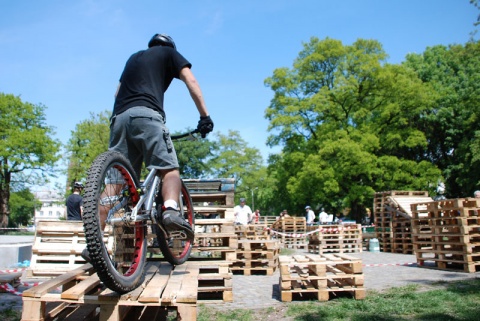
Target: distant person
column 284, row 213
column 323, row 217
column 310, row 215
column 75, row 203
column 256, row 216
column 440, row 192
column 476, row 194
column 243, row 213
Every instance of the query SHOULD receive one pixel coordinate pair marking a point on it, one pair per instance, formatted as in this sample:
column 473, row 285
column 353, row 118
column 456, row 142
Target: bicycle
column 118, row 211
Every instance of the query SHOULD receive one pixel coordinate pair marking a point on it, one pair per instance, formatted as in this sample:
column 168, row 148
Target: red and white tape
column 9, row 288
column 327, row 230
column 12, row 270
column 390, row 264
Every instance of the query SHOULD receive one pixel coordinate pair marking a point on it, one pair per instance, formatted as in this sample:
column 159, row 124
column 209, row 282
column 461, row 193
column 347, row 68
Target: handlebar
column 189, row 135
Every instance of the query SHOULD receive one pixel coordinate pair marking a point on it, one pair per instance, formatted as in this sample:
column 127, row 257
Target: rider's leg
column 171, row 186
column 172, row 219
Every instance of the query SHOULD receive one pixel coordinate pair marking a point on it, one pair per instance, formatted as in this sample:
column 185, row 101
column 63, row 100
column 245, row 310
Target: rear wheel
column 117, row 249
column 177, row 251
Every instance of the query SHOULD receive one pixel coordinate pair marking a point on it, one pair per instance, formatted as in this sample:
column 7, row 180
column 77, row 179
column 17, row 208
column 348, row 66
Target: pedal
column 178, row 235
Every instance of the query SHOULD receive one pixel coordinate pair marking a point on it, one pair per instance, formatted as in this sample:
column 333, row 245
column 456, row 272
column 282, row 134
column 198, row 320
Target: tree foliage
column 27, row 149
column 89, row 139
column 233, row 158
column 348, row 122
column 192, row 156
column 22, row 207
column 452, row 124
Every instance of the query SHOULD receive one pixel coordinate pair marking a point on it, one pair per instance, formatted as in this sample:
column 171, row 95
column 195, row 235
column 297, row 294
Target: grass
column 10, row 314
column 453, row 301
column 286, row 251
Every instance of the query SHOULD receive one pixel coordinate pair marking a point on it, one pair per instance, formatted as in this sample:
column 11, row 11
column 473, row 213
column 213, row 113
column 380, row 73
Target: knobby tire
column 118, row 252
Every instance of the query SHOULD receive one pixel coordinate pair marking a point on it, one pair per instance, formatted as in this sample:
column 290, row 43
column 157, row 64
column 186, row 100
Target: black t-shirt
column 74, row 202
column 146, row 77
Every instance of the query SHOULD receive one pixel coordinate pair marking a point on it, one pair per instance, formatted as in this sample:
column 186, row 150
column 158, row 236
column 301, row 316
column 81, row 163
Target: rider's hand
column 205, row 125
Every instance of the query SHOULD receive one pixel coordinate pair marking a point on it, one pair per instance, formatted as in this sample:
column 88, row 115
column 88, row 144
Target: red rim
column 139, row 226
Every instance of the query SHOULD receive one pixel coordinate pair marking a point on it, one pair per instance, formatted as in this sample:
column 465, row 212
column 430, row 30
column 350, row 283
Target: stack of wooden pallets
column 447, row 234
column 320, row 276
column 57, row 248
column 212, row 197
column 393, row 219
column 216, row 239
column 291, row 231
column 345, row 238
column 256, row 257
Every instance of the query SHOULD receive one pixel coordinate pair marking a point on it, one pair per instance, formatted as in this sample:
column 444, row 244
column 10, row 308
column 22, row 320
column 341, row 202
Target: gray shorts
column 140, row 134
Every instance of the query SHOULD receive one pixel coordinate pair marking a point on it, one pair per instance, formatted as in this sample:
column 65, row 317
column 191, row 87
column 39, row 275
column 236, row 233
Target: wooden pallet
column 215, row 282
column 165, row 287
column 56, row 248
column 219, row 191
column 446, row 234
column 215, row 239
column 256, row 257
column 336, row 239
column 320, row 276
column 252, row 232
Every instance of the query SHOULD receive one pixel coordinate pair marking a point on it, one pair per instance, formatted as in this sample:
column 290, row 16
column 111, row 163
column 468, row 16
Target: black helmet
column 161, row 40
column 78, row 185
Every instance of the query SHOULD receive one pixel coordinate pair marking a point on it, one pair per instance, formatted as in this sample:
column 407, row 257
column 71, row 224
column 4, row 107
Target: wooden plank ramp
column 79, row 295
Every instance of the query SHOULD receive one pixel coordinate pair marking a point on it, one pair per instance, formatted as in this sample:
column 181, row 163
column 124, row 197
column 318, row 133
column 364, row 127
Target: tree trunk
column 4, row 198
column 358, row 212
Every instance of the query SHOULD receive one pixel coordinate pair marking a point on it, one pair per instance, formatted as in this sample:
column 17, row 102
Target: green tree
column 452, row 125
column 193, row 156
column 27, row 149
column 343, row 115
column 233, row 158
column 89, row 139
column 22, row 207
column 476, row 23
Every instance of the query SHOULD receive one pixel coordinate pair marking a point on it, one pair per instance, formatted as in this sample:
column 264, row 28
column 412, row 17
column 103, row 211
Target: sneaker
column 86, row 256
column 172, row 221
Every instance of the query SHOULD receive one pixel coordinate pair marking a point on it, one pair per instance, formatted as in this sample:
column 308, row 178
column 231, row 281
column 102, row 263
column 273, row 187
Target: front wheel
column 177, row 251
column 116, row 246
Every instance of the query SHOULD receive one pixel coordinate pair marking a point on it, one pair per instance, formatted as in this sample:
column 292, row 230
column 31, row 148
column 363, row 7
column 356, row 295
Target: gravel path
column 381, row 272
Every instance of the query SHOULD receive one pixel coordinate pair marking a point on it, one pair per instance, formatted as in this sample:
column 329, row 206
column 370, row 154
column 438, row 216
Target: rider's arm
column 190, row 81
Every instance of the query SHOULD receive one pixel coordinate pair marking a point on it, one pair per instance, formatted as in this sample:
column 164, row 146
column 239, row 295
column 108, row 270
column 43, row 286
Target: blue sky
column 68, row 55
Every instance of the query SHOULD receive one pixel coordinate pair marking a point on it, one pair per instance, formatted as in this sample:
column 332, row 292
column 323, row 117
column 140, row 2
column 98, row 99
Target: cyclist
column 137, row 127
column 74, row 203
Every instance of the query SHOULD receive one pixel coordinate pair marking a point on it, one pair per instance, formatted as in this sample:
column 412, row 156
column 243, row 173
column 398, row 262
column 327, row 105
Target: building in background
column 53, row 206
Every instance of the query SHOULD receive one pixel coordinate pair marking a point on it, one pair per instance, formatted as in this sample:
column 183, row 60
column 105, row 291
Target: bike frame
column 147, row 197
